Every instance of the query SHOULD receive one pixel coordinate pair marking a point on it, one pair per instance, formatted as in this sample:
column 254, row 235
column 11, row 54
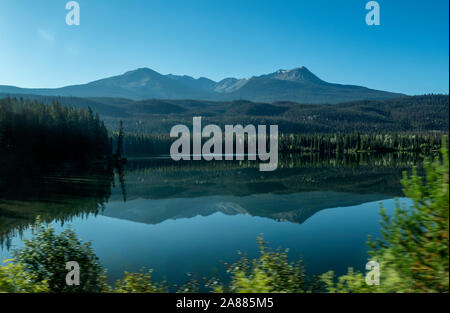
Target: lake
column 192, row 216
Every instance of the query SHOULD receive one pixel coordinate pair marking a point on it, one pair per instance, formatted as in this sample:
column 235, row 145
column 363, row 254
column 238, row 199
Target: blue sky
column 408, row 52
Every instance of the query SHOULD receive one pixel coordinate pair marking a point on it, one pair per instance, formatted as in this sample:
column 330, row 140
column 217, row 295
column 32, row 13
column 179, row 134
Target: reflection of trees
column 358, row 173
column 53, row 197
column 123, row 188
column 285, row 161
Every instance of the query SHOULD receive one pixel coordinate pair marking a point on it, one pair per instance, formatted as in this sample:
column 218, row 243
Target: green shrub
column 414, row 252
column 138, row 283
column 46, row 254
column 13, row 278
column 270, row 272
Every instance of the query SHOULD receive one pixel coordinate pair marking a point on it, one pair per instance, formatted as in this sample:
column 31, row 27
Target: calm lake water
column 191, row 217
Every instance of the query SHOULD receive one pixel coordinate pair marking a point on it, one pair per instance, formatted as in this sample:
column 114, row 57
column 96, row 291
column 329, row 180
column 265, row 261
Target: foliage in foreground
column 139, row 283
column 414, row 255
column 46, row 255
column 270, row 272
column 13, row 278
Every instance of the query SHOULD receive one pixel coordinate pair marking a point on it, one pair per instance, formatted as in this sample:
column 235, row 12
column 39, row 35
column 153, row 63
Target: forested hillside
column 405, row 114
column 36, row 134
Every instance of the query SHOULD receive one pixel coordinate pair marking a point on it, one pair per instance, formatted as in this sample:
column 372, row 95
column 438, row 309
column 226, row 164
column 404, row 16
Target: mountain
column 299, row 85
column 302, row 86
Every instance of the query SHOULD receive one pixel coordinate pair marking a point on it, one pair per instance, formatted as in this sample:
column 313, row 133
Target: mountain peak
column 141, row 70
column 299, row 74
column 300, row 68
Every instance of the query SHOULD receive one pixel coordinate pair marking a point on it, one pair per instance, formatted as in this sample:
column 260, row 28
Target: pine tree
column 119, row 150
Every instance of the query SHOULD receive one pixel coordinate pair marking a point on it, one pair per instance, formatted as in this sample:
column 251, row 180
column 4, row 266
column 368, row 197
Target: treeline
column 145, row 144
column 36, row 134
column 339, row 143
column 356, row 142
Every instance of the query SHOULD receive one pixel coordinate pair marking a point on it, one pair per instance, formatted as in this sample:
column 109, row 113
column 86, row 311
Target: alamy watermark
column 73, row 277
column 73, row 16
column 255, row 137
column 373, row 17
column 373, row 276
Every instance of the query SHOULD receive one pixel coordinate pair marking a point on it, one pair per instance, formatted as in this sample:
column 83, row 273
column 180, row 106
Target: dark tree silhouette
column 38, row 134
column 119, row 150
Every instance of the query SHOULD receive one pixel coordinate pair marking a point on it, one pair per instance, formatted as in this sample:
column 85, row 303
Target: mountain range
column 298, row 84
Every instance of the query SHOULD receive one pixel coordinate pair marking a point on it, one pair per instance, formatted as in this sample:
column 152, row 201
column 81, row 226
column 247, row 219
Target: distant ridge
column 298, row 85
column 427, row 113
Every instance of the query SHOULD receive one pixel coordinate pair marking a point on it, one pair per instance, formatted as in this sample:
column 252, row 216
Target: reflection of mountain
column 296, row 208
column 163, row 190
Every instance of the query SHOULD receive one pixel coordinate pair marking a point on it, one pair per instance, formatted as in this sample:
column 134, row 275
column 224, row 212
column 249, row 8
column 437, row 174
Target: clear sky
column 408, row 52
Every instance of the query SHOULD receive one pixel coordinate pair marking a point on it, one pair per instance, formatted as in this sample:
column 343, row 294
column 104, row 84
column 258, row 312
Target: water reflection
column 299, row 188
